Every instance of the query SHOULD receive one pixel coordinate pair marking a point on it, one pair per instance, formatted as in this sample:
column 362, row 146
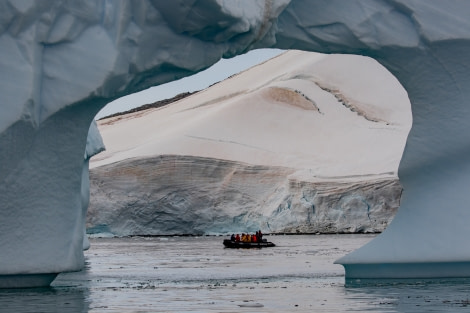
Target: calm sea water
column 190, row 274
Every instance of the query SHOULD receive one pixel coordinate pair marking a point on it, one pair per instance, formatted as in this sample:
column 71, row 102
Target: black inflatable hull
column 237, row 244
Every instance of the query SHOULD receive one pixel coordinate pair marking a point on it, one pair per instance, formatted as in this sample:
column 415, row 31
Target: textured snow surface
column 61, row 61
column 311, row 142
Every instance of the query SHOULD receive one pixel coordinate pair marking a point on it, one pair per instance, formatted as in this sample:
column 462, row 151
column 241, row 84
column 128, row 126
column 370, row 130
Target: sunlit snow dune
column 301, row 143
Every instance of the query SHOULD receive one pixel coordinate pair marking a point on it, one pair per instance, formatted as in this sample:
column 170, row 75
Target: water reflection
column 198, row 275
column 35, row 300
column 437, row 295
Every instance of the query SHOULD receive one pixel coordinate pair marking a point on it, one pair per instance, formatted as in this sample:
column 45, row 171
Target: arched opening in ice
column 56, row 79
column 305, row 142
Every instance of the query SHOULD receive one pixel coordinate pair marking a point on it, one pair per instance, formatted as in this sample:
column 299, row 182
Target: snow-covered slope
column 327, row 114
column 301, row 123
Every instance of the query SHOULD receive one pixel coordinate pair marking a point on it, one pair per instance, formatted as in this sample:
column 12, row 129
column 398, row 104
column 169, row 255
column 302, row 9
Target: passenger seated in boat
column 246, row 237
column 232, row 238
column 237, row 238
column 253, row 238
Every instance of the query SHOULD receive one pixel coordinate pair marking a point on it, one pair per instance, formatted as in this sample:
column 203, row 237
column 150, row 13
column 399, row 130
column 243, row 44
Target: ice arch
column 61, row 61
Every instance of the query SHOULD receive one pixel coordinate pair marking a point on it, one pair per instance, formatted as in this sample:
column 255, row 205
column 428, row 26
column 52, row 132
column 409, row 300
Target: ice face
column 63, row 61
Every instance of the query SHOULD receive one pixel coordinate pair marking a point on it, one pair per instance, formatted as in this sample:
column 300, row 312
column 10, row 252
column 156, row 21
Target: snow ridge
column 348, row 103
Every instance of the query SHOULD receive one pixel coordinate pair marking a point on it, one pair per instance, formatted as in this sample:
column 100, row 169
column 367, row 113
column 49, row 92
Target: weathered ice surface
column 193, row 195
column 61, row 61
column 426, row 46
column 94, row 145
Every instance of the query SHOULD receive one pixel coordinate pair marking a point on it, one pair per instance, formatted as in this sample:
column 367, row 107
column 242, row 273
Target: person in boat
column 260, row 236
column 253, row 238
column 247, row 238
column 237, row 238
column 232, row 238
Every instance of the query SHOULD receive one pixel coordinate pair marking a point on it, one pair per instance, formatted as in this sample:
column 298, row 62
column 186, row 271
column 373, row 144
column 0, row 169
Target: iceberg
column 63, row 61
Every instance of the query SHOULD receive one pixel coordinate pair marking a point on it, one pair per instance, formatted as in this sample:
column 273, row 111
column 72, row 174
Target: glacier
column 303, row 142
column 61, row 61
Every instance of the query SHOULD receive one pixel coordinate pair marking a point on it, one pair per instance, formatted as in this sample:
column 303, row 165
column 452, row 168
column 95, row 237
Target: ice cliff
column 173, row 194
column 61, row 61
